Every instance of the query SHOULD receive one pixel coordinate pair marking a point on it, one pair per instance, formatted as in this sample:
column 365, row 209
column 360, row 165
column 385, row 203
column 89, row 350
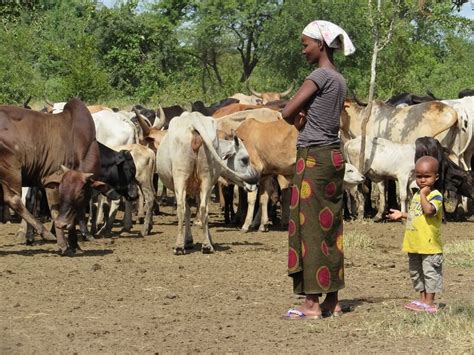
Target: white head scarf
column 334, row 36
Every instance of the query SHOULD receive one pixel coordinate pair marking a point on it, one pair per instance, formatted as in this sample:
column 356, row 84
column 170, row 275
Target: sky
column 467, row 9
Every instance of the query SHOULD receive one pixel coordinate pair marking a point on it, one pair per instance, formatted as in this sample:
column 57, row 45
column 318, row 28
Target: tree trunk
column 368, row 110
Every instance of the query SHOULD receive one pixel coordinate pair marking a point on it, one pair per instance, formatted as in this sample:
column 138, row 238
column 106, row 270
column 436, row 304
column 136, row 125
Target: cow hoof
column 263, row 229
column 67, row 252
column 179, row 251
column 189, row 246
column 207, row 249
column 30, row 242
column 87, row 238
column 244, row 229
column 378, row 219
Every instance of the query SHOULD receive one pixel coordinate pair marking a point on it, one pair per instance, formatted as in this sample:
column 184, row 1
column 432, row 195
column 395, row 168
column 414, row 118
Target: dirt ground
column 130, row 294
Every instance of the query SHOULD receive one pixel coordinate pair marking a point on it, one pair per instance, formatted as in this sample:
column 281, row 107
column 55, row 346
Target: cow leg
column 381, row 208
column 205, row 195
column 128, row 213
column 403, row 192
column 252, row 198
column 149, row 197
column 14, row 201
column 141, row 210
column 265, row 192
column 180, row 195
column 228, row 197
column 106, row 229
column 53, row 202
column 188, row 236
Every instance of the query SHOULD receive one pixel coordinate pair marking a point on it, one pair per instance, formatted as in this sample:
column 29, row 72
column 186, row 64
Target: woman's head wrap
column 334, row 36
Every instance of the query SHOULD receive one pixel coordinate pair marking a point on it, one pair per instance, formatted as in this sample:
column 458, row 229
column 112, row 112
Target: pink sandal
column 418, row 306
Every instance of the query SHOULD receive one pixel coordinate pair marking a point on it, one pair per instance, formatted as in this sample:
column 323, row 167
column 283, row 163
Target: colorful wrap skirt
column 315, row 238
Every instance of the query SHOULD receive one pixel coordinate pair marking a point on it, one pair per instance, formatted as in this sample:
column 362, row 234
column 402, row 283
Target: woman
column 315, row 256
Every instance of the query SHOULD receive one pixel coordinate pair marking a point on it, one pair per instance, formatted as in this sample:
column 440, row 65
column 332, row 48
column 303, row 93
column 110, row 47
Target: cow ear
column 236, row 141
column 120, row 158
column 96, row 184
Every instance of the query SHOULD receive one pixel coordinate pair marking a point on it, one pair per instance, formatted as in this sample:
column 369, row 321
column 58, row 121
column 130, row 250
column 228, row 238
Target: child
column 422, row 239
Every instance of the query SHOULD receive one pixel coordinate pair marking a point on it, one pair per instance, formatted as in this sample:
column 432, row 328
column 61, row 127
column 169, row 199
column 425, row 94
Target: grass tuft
column 459, row 253
column 358, row 240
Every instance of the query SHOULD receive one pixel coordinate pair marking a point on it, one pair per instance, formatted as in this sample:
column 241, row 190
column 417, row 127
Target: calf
column 384, row 159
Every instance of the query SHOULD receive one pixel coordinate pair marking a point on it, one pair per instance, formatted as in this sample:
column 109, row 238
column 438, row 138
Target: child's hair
column 431, row 161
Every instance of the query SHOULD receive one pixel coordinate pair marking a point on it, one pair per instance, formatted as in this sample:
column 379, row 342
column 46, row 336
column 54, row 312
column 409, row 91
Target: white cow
column 463, row 147
column 384, row 159
column 190, row 160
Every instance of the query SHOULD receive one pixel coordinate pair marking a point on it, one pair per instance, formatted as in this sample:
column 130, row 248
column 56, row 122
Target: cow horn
column 259, row 94
column 65, row 168
column 159, row 124
column 287, row 91
column 358, row 102
column 143, row 122
column 47, row 102
column 25, row 104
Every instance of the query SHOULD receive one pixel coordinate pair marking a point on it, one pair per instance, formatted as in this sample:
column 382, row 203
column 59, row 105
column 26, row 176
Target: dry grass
column 358, row 240
column 452, row 326
column 460, row 253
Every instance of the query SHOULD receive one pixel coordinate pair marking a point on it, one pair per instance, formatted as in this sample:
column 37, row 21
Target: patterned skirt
column 315, row 231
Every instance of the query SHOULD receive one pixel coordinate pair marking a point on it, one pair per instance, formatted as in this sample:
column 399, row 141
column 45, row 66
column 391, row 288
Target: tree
column 382, row 31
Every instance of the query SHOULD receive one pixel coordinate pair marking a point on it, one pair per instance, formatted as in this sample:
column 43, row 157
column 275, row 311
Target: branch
column 391, row 28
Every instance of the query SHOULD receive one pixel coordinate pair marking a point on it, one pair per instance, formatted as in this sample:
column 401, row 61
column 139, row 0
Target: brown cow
column 272, row 151
column 233, row 108
column 33, row 148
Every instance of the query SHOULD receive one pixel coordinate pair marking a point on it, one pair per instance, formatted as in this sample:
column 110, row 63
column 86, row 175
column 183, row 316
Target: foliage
column 177, row 51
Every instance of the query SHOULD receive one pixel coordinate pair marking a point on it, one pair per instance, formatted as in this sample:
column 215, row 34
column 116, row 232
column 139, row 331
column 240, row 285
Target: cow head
column 73, row 194
column 125, row 185
column 270, row 96
column 238, row 160
column 352, row 176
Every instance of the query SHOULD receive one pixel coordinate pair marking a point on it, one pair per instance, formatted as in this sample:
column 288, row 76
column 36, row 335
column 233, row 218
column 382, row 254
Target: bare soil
column 128, row 294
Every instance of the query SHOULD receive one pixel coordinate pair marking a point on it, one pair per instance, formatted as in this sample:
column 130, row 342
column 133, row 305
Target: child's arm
column 428, row 208
column 396, row 215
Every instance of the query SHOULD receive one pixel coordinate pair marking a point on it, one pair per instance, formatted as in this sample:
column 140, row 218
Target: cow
column 36, row 149
column 402, row 124
column 465, row 93
column 144, row 160
column 247, row 99
column 270, row 96
column 189, row 161
column 408, row 99
column 166, row 114
column 451, row 176
column 233, row 108
column 117, row 172
column 198, row 106
column 380, row 155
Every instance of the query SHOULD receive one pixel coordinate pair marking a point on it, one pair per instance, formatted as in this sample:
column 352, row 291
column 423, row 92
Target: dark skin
column 316, row 53
column 426, row 174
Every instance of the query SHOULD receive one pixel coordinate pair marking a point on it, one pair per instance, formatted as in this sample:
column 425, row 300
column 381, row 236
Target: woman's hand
column 300, row 120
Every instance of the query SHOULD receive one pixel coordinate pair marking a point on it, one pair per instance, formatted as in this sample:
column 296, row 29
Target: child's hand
column 425, row 191
column 394, row 215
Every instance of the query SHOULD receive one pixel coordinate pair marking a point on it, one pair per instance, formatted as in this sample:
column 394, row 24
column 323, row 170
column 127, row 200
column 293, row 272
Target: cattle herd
column 82, row 159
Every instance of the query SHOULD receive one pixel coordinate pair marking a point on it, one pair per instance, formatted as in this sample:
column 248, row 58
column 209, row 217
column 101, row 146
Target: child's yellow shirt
column 422, row 235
